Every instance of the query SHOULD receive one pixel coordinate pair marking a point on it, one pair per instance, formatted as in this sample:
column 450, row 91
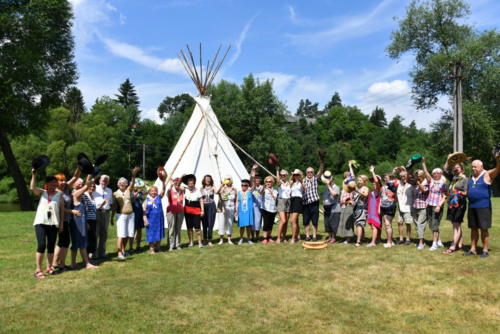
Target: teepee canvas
column 203, row 148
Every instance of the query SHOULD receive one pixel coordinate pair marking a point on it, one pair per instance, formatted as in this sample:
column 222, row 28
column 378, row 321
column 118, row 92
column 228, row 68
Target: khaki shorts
column 405, row 217
column 283, row 205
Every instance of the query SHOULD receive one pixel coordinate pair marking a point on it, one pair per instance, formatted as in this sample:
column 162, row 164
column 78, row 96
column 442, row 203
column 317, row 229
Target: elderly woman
column 244, row 213
column 208, row 192
column 64, row 238
column 137, row 207
column 227, row 194
column 420, row 206
column 297, row 189
column 90, row 217
column 153, row 217
column 457, row 203
column 194, row 208
column 435, row 201
column 331, row 206
column 345, row 229
column 49, row 213
column 125, row 218
column 256, row 185
column 175, row 213
column 268, row 198
column 78, row 227
column 283, row 207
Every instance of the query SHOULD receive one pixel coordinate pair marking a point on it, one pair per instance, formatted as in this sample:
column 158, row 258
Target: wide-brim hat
column 413, row 160
column 162, row 174
column 41, row 162
column 457, row 158
column 187, row 177
column 326, row 177
column 100, row 159
column 139, row 183
column 96, row 171
column 297, row 172
column 85, row 164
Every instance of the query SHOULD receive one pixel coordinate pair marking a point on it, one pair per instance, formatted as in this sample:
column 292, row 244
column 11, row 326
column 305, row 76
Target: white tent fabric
column 203, row 148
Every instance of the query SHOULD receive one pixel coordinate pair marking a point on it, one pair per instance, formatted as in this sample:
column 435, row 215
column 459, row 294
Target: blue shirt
column 479, row 193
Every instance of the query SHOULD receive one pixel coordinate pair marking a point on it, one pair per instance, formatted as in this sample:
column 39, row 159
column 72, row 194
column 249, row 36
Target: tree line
column 42, row 112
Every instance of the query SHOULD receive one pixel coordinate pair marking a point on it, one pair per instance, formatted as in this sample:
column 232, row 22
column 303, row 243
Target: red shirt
column 175, row 202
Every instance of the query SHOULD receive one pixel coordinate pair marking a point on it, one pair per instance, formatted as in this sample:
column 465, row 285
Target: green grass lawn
column 253, row 289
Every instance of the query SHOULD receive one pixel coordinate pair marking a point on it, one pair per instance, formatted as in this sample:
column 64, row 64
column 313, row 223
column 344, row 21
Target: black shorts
column 296, row 205
column 192, row 221
column 390, row 211
column 456, row 214
column 479, row 218
column 268, row 218
column 64, row 236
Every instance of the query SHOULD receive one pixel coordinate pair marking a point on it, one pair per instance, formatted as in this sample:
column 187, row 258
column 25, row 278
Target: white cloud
column 281, row 81
column 242, row 37
column 346, row 28
column 392, row 89
column 137, row 55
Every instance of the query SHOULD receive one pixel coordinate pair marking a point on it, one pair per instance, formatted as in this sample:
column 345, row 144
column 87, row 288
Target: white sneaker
column 345, row 242
column 221, row 241
column 179, row 248
column 229, row 241
column 420, row 246
column 440, row 244
column 250, row 242
column 200, row 245
column 121, row 257
column 370, row 245
column 387, row 245
column 190, row 244
column 240, row 242
column 171, row 249
column 433, row 247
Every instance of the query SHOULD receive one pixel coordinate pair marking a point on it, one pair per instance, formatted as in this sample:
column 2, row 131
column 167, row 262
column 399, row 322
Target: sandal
column 39, row 274
column 357, row 244
column 449, row 251
column 50, row 270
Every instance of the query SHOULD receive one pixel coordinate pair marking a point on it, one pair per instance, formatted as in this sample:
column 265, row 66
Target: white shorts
column 125, row 225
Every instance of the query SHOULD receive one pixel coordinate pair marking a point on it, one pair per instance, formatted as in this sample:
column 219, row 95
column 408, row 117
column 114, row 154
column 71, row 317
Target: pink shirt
column 175, row 201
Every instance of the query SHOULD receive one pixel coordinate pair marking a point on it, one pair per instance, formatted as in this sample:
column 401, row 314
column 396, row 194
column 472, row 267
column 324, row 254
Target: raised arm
column 426, row 172
column 376, row 180
column 75, row 177
column 351, row 170
column 330, row 189
column 135, row 171
column 37, row 191
column 321, row 163
column 79, row 192
column 493, row 173
column 163, row 190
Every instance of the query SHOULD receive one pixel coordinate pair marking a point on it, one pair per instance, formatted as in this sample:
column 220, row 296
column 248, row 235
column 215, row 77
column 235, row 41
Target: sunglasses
column 244, row 185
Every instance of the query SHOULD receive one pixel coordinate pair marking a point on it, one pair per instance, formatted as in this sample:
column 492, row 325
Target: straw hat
column 349, row 186
column 457, row 158
column 326, row 177
column 297, row 172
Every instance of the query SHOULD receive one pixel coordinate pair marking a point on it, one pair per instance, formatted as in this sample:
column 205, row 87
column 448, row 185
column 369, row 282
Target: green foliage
column 127, row 96
column 308, row 109
column 378, row 117
column 73, row 101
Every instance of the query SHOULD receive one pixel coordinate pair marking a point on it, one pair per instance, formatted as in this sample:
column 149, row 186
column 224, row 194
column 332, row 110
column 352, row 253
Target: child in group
column 153, row 218
column 244, row 214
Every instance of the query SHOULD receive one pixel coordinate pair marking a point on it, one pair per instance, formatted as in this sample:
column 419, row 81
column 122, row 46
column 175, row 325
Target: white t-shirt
column 284, row 190
column 296, row 189
column 406, row 197
column 193, row 195
column 269, row 200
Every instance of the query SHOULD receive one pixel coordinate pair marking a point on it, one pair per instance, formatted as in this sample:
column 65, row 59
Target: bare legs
column 388, row 230
column 474, row 238
column 283, row 226
column 294, row 218
column 138, row 237
column 85, row 258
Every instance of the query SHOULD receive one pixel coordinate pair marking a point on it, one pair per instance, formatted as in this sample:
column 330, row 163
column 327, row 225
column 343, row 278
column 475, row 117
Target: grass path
column 253, row 289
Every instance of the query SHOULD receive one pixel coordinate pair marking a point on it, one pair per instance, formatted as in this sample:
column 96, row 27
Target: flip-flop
column 469, row 253
column 449, row 251
column 50, row 271
column 39, row 274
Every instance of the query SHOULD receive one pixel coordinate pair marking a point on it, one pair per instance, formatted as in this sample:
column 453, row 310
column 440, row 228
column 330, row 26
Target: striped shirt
column 311, row 193
column 89, row 205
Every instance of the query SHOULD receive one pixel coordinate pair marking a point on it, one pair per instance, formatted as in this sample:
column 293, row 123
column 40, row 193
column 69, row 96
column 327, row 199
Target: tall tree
column 377, row 117
column 175, row 105
column 127, row 96
column 307, row 109
column 433, row 32
column 73, row 101
column 335, row 101
column 36, row 57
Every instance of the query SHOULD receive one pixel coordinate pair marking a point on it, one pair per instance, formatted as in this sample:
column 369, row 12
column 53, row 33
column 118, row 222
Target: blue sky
column 309, row 48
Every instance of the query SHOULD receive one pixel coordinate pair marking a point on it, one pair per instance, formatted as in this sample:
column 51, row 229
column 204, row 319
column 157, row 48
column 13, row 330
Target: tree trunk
column 15, row 172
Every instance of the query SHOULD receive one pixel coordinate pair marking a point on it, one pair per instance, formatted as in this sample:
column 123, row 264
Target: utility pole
column 144, row 160
column 458, row 145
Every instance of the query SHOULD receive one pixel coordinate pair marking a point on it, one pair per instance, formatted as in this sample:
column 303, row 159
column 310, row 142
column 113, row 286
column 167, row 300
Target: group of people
column 79, row 211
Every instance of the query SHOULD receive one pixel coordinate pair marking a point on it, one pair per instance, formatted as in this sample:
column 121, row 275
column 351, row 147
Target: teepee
column 204, row 148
